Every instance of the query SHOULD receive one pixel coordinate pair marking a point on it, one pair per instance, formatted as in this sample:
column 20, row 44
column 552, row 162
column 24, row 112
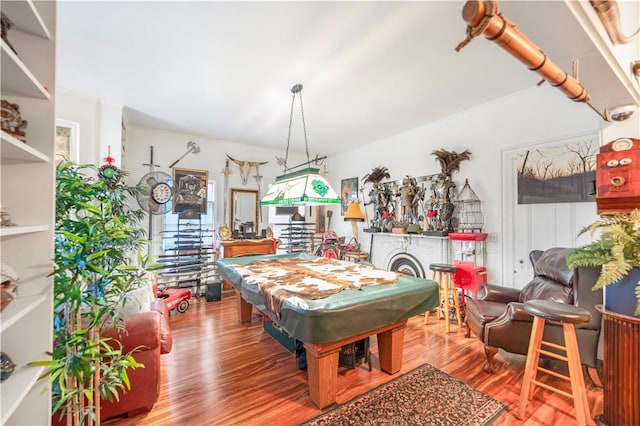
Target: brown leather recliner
column 498, row 317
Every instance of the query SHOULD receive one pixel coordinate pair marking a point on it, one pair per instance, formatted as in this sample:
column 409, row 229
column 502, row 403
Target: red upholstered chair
column 150, row 330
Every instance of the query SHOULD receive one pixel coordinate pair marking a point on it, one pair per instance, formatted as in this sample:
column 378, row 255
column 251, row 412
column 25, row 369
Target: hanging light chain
column 286, row 156
column 304, row 128
column 295, row 90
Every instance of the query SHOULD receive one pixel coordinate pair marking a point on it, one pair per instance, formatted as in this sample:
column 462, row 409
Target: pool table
column 326, row 324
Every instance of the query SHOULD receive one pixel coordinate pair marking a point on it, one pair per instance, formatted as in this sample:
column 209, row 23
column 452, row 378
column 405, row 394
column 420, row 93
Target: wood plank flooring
column 223, row 373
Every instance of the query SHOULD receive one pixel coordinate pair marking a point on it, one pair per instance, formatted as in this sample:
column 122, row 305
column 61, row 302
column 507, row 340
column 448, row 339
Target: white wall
column 169, row 146
column 82, row 110
column 527, row 118
column 100, row 125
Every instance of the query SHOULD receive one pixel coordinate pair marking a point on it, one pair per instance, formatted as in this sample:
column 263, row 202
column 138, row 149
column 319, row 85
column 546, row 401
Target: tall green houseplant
column 617, row 250
column 96, row 235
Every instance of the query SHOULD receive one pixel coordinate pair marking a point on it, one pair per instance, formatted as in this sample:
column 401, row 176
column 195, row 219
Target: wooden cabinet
column 237, row 248
column 28, row 194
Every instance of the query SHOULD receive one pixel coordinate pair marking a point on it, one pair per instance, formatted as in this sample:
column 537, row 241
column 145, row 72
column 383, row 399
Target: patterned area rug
column 424, row 396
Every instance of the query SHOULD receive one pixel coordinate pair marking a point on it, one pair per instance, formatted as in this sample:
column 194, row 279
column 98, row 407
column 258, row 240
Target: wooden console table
column 237, row 248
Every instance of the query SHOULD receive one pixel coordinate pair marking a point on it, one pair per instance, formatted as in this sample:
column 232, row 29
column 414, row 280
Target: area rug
column 424, row 396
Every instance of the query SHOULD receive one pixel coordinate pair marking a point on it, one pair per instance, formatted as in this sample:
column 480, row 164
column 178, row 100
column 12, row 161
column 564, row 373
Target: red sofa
column 150, row 330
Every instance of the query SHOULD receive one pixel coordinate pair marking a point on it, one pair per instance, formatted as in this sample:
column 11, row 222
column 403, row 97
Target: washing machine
column 409, row 254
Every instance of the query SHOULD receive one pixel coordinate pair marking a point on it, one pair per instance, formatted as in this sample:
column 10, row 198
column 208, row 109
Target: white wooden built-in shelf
column 14, row 151
column 26, row 322
column 25, row 17
column 17, row 80
column 6, row 231
column 16, row 387
column 18, row 308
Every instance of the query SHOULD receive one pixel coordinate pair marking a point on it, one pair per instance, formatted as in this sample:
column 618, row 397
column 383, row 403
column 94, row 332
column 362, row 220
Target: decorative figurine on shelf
column 6, row 366
column 5, row 218
column 380, row 196
column 11, row 121
column 444, row 188
column 8, row 285
column 225, row 232
column 411, row 194
column 5, row 25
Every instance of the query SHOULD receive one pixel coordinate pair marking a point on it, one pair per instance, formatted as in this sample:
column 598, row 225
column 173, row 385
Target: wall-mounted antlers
column 245, row 167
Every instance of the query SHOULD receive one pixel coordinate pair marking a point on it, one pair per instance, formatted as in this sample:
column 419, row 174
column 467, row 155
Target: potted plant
column 617, row 251
column 96, row 235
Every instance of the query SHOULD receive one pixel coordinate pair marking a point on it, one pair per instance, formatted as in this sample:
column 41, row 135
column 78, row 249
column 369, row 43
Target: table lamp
column 354, row 214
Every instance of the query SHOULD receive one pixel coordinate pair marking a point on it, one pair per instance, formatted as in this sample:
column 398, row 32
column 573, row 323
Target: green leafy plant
column 97, row 234
column 617, row 250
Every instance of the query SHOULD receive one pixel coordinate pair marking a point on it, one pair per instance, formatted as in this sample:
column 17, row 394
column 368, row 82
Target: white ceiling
column 369, row 69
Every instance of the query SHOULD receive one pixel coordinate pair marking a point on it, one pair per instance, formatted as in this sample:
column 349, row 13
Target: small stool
column 568, row 315
column 445, row 288
column 356, row 256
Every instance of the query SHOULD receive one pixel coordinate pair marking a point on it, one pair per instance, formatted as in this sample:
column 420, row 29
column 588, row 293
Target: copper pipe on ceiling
column 609, row 15
column 482, row 17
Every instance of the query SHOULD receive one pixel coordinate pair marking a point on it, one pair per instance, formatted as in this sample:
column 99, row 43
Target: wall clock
column 161, row 192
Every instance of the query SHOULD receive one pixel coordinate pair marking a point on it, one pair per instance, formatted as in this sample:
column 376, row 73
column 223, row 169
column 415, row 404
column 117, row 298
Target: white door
column 529, row 227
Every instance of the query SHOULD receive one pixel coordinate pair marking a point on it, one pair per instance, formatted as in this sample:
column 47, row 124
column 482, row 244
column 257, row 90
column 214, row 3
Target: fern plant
column 617, row 250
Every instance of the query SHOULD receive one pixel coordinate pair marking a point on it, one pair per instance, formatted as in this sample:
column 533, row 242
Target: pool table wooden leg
column 322, row 369
column 245, row 310
column 390, row 344
column 322, row 360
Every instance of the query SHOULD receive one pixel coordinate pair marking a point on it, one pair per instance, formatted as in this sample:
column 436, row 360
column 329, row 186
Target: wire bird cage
column 468, row 211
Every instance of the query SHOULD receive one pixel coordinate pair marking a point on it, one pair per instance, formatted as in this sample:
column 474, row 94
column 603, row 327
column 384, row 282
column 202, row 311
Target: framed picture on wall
column 348, row 192
column 67, row 141
column 564, row 173
column 190, row 191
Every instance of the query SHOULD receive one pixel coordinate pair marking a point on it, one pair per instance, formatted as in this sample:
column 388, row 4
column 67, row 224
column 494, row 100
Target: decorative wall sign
column 558, row 174
column 348, row 192
column 190, row 191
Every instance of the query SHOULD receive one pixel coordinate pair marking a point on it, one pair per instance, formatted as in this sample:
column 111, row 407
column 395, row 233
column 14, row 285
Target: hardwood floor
column 223, row 373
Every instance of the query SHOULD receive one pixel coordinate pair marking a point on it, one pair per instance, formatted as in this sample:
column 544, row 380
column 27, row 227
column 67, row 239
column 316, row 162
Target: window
column 170, row 222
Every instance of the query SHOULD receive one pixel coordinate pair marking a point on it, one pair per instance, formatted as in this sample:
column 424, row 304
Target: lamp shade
column 354, row 212
column 302, row 188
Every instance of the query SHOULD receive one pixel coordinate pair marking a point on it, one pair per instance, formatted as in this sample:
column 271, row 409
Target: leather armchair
column 150, row 330
column 499, row 320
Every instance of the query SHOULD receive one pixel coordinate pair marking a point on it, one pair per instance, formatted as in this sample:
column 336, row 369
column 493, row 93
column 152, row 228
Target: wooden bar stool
column 443, row 275
column 356, row 256
column 568, row 315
